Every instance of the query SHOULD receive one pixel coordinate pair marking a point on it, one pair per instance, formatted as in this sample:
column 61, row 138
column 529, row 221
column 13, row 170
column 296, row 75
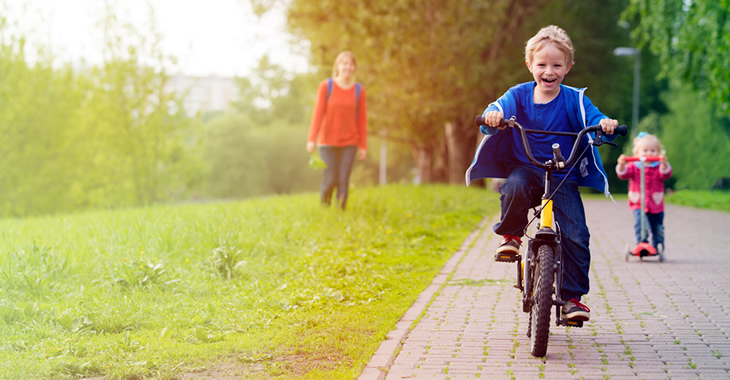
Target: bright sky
column 214, row 37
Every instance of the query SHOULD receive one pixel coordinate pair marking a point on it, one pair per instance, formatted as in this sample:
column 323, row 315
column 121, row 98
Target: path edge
column 381, row 361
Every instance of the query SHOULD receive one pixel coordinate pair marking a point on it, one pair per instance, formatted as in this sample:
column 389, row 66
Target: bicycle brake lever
column 598, row 141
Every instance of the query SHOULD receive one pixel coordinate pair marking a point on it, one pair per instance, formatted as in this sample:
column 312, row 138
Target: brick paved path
column 650, row 320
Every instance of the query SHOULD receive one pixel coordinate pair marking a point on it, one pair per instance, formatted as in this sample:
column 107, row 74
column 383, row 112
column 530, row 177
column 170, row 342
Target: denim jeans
column 653, row 223
column 521, row 191
column 336, row 175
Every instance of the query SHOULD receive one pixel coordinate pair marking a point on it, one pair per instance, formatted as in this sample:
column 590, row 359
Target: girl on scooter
column 656, row 172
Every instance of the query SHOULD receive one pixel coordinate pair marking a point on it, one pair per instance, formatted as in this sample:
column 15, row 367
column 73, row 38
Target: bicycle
column 541, row 273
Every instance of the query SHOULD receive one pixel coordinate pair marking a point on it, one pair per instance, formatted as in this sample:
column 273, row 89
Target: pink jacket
column 654, row 182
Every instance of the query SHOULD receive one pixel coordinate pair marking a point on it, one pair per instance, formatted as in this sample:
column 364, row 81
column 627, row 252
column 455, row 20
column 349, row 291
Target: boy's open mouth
column 549, row 80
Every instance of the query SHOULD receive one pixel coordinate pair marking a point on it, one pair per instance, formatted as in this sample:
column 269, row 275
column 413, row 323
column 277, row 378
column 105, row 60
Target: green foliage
column 271, row 95
column 246, row 159
column 697, row 142
column 139, row 272
column 692, row 41
column 34, row 269
column 139, row 126
column 319, row 290
column 37, row 104
column 259, row 147
column 316, row 162
column 226, row 262
column 91, row 138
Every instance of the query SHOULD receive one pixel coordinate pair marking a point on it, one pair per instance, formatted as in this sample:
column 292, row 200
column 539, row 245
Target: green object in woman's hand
column 316, row 162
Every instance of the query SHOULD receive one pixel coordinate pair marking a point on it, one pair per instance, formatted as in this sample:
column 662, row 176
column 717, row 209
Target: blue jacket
column 488, row 160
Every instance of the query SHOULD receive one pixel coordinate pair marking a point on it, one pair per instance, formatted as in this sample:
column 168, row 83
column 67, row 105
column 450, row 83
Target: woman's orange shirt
column 334, row 122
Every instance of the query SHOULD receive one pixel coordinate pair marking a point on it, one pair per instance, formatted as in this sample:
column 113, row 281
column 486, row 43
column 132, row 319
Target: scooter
column 644, row 249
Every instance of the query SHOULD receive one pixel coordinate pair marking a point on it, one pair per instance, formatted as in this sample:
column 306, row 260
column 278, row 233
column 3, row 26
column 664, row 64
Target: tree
column 140, row 147
column 38, row 106
column 692, row 41
column 258, row 148
column 696, row 140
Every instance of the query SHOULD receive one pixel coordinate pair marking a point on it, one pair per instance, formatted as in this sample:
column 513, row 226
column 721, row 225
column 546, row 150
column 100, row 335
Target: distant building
column 204, row 94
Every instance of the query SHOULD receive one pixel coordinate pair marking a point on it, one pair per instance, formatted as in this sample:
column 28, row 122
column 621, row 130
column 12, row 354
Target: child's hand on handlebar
column 495, row 119
column 663, row 162
column 608, row 125
column 621, row 163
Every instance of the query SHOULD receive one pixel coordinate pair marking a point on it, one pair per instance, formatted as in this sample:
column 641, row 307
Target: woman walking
column 339, row 127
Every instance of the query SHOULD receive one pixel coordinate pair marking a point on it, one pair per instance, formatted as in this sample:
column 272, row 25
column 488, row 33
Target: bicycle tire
column 542, row 301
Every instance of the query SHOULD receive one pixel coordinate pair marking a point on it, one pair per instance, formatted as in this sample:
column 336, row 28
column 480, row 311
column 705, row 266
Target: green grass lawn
column 270, row 287
column 715, row 200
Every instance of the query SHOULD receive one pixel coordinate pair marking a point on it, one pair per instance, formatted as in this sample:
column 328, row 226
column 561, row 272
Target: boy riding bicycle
column 544, row 104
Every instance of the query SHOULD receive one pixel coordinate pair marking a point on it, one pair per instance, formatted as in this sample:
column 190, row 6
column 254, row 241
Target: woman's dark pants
column 339, row 160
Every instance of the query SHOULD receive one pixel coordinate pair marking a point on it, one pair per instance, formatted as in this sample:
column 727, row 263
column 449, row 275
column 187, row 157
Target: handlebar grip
column 621, row 130
column 648, row 158
column 480, row 120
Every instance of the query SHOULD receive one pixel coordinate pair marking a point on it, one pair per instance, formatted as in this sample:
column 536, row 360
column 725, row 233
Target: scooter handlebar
column 648, row 158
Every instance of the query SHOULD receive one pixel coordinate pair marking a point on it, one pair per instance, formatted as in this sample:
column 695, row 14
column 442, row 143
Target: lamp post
column 383, row 157
column 623, row 52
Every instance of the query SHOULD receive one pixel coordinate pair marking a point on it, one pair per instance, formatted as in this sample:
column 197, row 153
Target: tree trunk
column 424, row 159
column 460, row 147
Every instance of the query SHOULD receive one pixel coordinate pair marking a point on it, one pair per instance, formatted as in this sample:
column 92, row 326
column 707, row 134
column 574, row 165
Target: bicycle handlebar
column 648, row 158
column 558, row 163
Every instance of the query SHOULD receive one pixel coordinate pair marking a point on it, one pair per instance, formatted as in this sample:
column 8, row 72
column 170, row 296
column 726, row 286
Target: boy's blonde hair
column 340, row 57
column 550, row 34
column 646, row 138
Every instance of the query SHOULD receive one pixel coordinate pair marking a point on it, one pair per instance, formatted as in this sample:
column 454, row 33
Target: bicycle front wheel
column 542, row 301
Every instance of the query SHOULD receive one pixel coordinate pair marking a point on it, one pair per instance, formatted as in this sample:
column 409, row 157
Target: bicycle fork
column 545, row 235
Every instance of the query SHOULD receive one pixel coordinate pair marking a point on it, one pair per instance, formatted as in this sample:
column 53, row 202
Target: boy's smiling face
column 549, row 66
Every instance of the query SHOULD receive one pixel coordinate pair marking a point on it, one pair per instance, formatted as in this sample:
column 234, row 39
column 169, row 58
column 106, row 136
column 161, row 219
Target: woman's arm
column 317, row 115
column 362, row 123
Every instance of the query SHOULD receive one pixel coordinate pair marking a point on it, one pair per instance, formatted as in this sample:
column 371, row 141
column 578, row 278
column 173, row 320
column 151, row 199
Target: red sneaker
column 575, row 310
column 510, row 245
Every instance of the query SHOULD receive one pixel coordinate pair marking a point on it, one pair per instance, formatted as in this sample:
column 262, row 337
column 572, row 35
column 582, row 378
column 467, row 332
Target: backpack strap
column 357, row 100
column 329, row 89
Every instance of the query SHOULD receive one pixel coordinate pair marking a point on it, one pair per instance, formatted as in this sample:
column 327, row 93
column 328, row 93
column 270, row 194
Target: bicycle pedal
column 572, row 323
column 505, row 258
